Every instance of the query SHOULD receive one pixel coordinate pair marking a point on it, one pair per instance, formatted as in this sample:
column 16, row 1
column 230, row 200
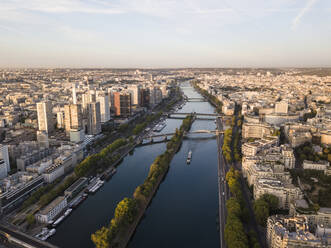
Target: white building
column 52, row 210
column 311, row 165
column 4, row 155
column 53, row 172
column 77, row 136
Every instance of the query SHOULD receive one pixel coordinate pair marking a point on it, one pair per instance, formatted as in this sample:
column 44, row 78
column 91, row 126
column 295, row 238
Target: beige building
column 285, row 192
column 281, row 107
column 256, row 130
column 45, row 118
column 73, row 117
column 291, row 232
column 326, row 137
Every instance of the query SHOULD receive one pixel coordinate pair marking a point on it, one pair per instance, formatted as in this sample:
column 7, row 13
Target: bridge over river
column 166, row 136
column 197, row 116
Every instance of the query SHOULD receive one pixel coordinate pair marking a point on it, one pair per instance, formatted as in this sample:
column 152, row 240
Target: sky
column 165, row 33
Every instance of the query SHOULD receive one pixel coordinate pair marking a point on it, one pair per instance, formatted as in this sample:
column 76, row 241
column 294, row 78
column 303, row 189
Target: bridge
column 166, row 136
column 22, row 240
column 195, row 99
column 197, row 116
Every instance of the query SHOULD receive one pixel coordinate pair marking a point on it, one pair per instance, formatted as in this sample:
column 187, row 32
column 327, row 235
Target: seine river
column 184, row 210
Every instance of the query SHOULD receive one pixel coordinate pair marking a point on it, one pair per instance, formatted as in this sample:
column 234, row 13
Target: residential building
column 73, row 117
column 45, row 117
column 291, row 232
column 281, row 107
column 285, row 192
column 122, row 104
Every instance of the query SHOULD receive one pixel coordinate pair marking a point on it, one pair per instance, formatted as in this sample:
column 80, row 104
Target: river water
column 184, row 210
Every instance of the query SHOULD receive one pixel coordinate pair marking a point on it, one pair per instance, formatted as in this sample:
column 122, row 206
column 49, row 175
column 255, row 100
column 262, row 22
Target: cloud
column 302, row 12
column 59, row 6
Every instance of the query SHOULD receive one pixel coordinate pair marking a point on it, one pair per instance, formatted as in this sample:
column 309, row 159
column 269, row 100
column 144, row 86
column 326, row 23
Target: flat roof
column 52, row 205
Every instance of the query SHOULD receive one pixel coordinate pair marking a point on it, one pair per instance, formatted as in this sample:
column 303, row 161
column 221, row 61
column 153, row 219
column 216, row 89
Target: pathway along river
column 184, row 210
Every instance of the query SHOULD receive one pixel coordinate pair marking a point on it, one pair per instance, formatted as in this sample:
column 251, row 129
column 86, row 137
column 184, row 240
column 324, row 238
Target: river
column 184, row 210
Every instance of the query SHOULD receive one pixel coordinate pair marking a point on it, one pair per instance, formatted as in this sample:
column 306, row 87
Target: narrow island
column 129, row 211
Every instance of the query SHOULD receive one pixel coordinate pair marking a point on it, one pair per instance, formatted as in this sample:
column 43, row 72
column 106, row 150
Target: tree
column 233, row 207
column 30, row 219
column 271, row 200
column 101, row 238
column 261, row 210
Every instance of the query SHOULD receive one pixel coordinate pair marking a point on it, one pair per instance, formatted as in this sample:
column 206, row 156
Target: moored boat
column 189, row 157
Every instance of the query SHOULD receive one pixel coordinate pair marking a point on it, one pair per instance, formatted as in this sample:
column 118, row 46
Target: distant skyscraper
column 73, row 117
column 60, row 119
column 4, row 155
column 144, row 97
column 104, row 107
column 134, row 90
column 122, row 103
column 94, row 118
column 111, row 98
column 45, row 118
column 74, row 95
column 3, row 169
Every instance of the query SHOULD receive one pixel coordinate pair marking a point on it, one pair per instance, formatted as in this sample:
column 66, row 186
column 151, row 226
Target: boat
column 109, row 173
column 50, row 233
column 67, row 212
column 58, row 221
column 78, row 201
column 96, row 186
column 43, row 232
column 189, row 157
column 159, row 127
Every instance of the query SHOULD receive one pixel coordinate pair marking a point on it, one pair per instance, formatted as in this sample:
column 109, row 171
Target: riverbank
column 211, row 98
column 130, row 210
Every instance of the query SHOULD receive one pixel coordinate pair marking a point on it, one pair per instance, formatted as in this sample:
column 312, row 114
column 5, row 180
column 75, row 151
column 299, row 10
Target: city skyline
column 165, row 34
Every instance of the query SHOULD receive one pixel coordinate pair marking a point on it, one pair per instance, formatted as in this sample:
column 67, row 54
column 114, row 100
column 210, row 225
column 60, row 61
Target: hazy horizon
column 162, row 34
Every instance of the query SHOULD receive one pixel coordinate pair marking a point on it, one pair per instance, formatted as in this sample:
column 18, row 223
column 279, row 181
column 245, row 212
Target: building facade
column 45, row 117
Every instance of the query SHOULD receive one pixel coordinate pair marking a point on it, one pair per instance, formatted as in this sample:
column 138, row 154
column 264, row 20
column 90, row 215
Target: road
column 223, row 190
column 20, row 238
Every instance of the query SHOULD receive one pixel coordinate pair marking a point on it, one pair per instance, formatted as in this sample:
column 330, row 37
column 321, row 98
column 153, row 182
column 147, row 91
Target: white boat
column 97, row 186
column 58, row 221
column 159, row 127
column 47, row 233
column 50, row 233
column 43, row 232
column 93, row 185
column 189, row 157
column 68, row 211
